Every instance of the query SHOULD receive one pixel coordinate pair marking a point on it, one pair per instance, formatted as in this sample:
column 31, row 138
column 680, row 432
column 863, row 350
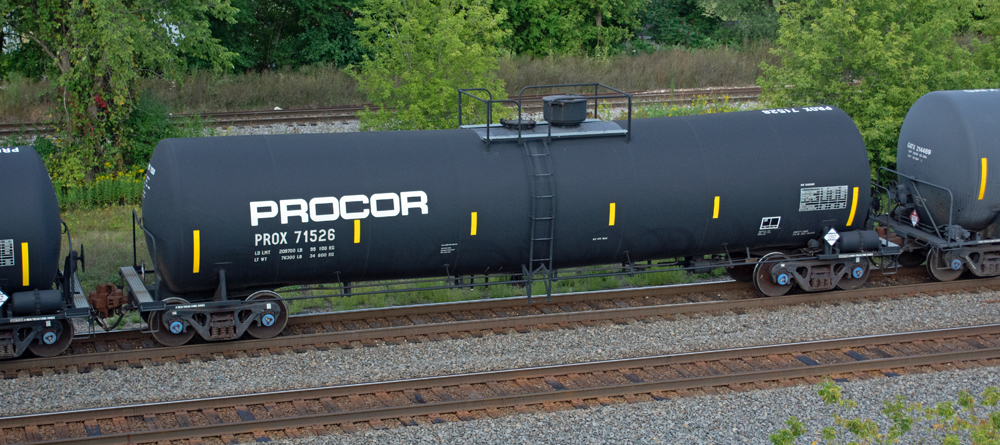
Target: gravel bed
column 491, row 352
column 322, row 127
column 734, row 418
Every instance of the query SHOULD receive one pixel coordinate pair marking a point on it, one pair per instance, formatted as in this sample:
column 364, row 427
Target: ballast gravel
column 753, row 414
column 738, row 418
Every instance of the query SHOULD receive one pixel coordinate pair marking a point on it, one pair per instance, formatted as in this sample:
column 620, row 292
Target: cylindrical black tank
column 952, row 139
column 274, row 210
column 29, row 222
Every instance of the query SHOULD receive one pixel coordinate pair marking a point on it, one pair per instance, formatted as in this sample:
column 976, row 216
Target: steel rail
column 348, row 112
column 801, row 370
column 487, row 324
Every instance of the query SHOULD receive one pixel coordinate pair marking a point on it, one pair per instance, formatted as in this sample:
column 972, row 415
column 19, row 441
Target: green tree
column 289, row 33
column 97, row 49
column 680, row 22
column 871, row 58
column 988, row 28
column 421, row 51
column 560, row 27
column 746, row 20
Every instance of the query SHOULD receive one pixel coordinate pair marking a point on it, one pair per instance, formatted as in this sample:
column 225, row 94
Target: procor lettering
column 330, row 208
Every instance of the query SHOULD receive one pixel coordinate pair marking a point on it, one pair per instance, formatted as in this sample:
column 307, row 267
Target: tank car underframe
column 215, row 320
column 950, row 248
column 776, row 273
column 948, row 258
column 45, row 336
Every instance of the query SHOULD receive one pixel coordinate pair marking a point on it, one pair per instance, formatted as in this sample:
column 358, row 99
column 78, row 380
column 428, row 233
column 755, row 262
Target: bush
column 950, row 423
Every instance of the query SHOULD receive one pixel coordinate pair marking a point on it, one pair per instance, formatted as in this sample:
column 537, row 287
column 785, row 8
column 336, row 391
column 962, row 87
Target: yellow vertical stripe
column 25, row 267
column 982, row 182
column 715, row 211
column 357, row 231
column 854, row 207
column 474, row 223
column 611, row 216
column 197, row 251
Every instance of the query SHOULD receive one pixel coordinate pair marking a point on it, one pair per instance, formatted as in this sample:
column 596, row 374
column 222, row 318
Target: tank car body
column 237, row 216
column 32, row 313
column 947, row 202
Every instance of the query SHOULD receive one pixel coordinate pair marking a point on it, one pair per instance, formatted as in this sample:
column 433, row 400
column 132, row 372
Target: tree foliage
column 556, row 27
column 421, row 51
column 97, row 49
column 680, row 22
column 290, row 33
column 744, row 20
column 871, row 58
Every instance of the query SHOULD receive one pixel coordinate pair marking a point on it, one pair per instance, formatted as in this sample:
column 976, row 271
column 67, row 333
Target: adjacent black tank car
column 946, row 202
column 33, row 313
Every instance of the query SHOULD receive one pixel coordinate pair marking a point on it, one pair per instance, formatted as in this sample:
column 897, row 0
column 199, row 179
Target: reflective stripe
column 474, row 223
column 25, row 268
column 197, row 251
column 357, row 231
column 715, row 212
column 982, row 182
column 854, row 207
column 611, row 215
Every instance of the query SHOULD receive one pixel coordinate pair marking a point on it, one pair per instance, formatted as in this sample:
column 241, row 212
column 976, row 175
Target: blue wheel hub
column 267, row 320
column 176, row 327
column 956, row 264
column 49, row 338
column 858, row 272
column 782, row 279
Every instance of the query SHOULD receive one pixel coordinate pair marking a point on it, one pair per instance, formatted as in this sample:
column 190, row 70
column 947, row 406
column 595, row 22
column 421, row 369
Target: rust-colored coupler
column 107, row 299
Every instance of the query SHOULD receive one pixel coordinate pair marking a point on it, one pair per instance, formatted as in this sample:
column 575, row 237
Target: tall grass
column 309, row 87
column 24, row 100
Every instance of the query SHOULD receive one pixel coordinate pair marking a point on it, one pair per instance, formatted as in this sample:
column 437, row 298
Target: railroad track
column 380, row 405
column 348, row 113
column 434, row 322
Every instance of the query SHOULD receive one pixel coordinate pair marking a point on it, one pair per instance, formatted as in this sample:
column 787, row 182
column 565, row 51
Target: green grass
column 106, row 235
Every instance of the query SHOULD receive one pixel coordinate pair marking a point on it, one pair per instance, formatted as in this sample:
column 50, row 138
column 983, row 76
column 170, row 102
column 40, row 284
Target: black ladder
column 543, row 213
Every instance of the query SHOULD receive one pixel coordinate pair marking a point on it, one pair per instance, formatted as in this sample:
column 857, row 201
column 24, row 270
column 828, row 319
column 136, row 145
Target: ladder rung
column 543, row 197
column 541, row 154
column 542, row 174
column 541, row 259
column 543, row 218
column 542, row 239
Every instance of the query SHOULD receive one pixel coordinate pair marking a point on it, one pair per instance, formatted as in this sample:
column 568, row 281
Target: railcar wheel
column 171, row 333
column 740, row 273
column 271, row 324
column 942, row 270
column 856, row 275
column 54, row 340
column 912, row 258
column 762, row 276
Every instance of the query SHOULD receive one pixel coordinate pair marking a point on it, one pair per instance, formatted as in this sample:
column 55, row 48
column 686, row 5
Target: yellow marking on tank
column 611, row 216
column 854, row 207
column 25, row 267
column 715, row 211
column 982, row 182
column 357, row 231
column 197, row 251
column 475, row 221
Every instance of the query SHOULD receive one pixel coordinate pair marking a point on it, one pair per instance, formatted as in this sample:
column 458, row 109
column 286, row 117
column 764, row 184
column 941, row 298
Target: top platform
column 589, row 128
